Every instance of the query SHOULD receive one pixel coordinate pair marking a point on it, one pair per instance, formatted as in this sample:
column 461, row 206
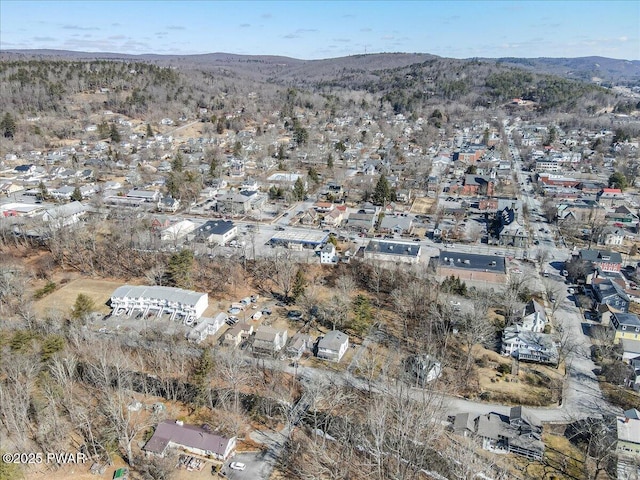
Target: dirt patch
column 423, row 205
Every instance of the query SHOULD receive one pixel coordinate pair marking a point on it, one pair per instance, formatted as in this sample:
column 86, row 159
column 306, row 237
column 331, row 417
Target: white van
column 257, row 315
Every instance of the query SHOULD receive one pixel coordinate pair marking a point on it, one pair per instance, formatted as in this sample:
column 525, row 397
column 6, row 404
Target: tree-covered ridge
column 473, row 82
column 34, row 86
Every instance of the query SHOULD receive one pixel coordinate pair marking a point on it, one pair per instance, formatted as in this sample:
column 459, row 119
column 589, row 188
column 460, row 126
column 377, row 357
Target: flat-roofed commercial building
column 470, row 266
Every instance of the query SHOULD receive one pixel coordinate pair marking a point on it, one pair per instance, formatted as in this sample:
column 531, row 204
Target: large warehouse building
column 179, row 303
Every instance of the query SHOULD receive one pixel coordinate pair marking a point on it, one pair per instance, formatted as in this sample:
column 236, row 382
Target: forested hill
column 37, row 81
column 261, row 67
column 591, row 69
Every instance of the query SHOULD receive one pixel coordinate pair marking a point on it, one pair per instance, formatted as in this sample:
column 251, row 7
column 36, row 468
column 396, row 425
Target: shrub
column 46, row 290
column 504, row 368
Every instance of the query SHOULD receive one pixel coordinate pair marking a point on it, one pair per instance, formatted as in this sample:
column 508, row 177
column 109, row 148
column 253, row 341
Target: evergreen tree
column 313, row 175
column 82, row 307
column 281, row 155
column 362, row 314
column 382, row 192
column 76, row 196
column 178, row 163
column 201, row 376
column 149, row 131
column 330, row 161
column 299, row 285
column 44, row 192
column 299, row 191
column 618, row 180
column 103, row 129
column 8, row 125
column 213, row 166
column 114, row 135
column 179, row 269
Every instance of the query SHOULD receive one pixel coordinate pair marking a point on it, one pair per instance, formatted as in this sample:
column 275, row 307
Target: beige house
column 237, row 334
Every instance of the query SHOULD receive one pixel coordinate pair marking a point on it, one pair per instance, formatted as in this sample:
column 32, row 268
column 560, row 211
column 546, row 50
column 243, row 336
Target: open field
column 63, row 298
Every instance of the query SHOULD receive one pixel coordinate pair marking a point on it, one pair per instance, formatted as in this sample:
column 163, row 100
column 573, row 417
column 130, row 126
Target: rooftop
column 393, row 248
column 471, row 261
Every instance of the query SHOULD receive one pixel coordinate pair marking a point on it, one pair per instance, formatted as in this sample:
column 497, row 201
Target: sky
column 326, row 29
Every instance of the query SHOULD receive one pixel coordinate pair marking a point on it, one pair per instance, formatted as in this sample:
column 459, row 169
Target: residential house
column 605, row 260
column 609, row 292
column 529, row 346
column 323, row 207
column 239, row 203
column 168, row 204
column 361, row 222
column 610, row 197
column 206, row 326
column 399, row 224
column 309, row 217
column 514, row 235
column 625, row 326
column 422, row 369
column 391, row 251
column 534, row 317
column 177, row 231
column 64, row 215
column 628, row 445
column 7, row 188
column 519, row 433
column 333, row 346
column 218, row 232
column 299, row 344
column 333, row 218
column 475, row 185
column 190, row 438
column 149, row 196
column 328, row 254
column 623, row 217
column 237, row 334
column 268, row 340
column 129, row 299
column 612, row 236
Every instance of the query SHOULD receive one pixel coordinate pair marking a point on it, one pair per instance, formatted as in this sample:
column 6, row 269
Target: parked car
column 294, row 314
column 237, row 466
column 234, row 311
column 266, row 311
column 257, row 315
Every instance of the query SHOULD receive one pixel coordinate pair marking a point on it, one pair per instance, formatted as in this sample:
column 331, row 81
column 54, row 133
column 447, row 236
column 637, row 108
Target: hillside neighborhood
column 247, row 286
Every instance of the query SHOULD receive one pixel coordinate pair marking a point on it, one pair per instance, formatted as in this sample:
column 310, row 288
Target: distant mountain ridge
column 588, row 69
column 581, row 68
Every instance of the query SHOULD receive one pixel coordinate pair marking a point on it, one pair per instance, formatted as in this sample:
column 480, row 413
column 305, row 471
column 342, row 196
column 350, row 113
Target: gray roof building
column 175, row 434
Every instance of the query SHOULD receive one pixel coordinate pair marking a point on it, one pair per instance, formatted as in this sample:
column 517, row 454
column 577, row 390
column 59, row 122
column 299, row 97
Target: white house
column 188, row 304
column 268, row 340
column 328, row 254
column 533, row 317
column 216, row 231
column 333, row 345
column 64, row 215
column 177, row 230
column 206, row 326
column 144, row 195
column 528, row 346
